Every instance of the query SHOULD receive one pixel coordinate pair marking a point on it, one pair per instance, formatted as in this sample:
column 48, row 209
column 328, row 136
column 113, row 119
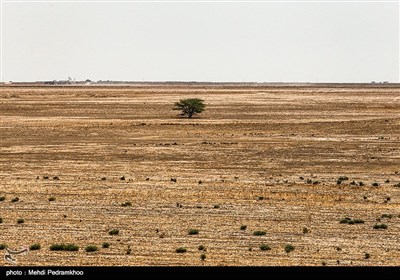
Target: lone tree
column 190, row 106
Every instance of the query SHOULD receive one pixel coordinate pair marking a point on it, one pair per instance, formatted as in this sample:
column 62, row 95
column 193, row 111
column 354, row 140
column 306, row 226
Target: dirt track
column 249, row 149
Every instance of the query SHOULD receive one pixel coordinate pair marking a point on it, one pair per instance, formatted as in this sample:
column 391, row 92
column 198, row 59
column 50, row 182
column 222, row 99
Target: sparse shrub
column 316, row 182
column 397, row 185
column 20, row 221
column 104, row 178
column 193, row 231
column 351, row 222
column 64, row 247
column 127, row 203
column 289, row 248
column 380, row 226
column 56, row 178
column 201, row 248
column 387, row 181
column 343, row 178
column 259, row 233
column 45, row 177
column 361, row 184
column 15, row 199
column 113, row 232
column 243, row 227
column 260, row 198
column 200, row 182
column 367, row 256
column 122, row 178
column 216, row 206
column 301, row 178
column 2, row 198
column 105, row 245
column 309, row 181
column 305, row 230
column 353, row 183
column 1, row 220
column 91, row 248
column 35, row 247
column 264, row 247
column 181, row 250
column 3, row 246
column 52, row 198
column 203, row 257
column 389, row 216
column 375, row 184
column 173, row 180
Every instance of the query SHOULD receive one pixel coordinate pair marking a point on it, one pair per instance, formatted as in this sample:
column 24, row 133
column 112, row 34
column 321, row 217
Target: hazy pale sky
column 201, row 41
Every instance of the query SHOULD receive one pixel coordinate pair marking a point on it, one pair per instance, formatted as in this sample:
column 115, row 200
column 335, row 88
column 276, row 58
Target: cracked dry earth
column 265, row 157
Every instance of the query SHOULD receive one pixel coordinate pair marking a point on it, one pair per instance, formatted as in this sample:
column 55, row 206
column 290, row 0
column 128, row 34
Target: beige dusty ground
column 250, row 142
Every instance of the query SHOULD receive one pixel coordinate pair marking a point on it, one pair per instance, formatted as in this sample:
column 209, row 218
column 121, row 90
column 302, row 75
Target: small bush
column 56, row 178
column 260, row 198
column 351, row 222
column 113, row 232
column 127, row 203
column 367, row 256
column 361, row 184
column 52, row 198
column 2, row 198
column 193, row 231
column 129, row 250
column 20, row 221
column 173, row 180
column 289, row 248
column 181, row 250
column 122, row 178
column 201, row 248
column 91, row 248
column 375, row 184
column 1, row 220
column 3, row 246
column 389, row 216
column 203, row 257
column 15, row 199
column 380, row 226
column 243, row 227
column 397, row 185
column 105, row 245
column 64, row 247
column 264, row 247
column 305, row 230
column 45, row 177
column 216, row 206
column 259, row 233
column 343, row 178
column 358, row 221
column 104, row 178
column 35, row 247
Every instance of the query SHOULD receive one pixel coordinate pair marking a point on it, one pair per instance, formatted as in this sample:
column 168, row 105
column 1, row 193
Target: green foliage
column 193, row 231
column 3, row 246
column 203, row 257
column 20, row 221
column 388, row 216
column 259, row 233
column 351, row 222
column 64, row 247
column 1, row 220
column 105, row 245
column 2, row 198
column 202, row 248
column 216, row 206
column 380, row 226
column 264, row 247
column 243, row 227
column 305, row 230
column 289, row 248
column 35, row 247
column 375, row 184
column 113, row 232
column 190, row 106
column 91, row 248
column 181, row 250
column 52, row 198
column 367, row 256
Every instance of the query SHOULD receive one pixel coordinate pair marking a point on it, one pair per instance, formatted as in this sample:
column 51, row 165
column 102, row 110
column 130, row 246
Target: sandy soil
column 267, row 157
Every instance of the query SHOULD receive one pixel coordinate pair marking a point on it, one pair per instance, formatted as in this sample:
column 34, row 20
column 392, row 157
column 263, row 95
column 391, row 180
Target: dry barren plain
column 265, row 157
